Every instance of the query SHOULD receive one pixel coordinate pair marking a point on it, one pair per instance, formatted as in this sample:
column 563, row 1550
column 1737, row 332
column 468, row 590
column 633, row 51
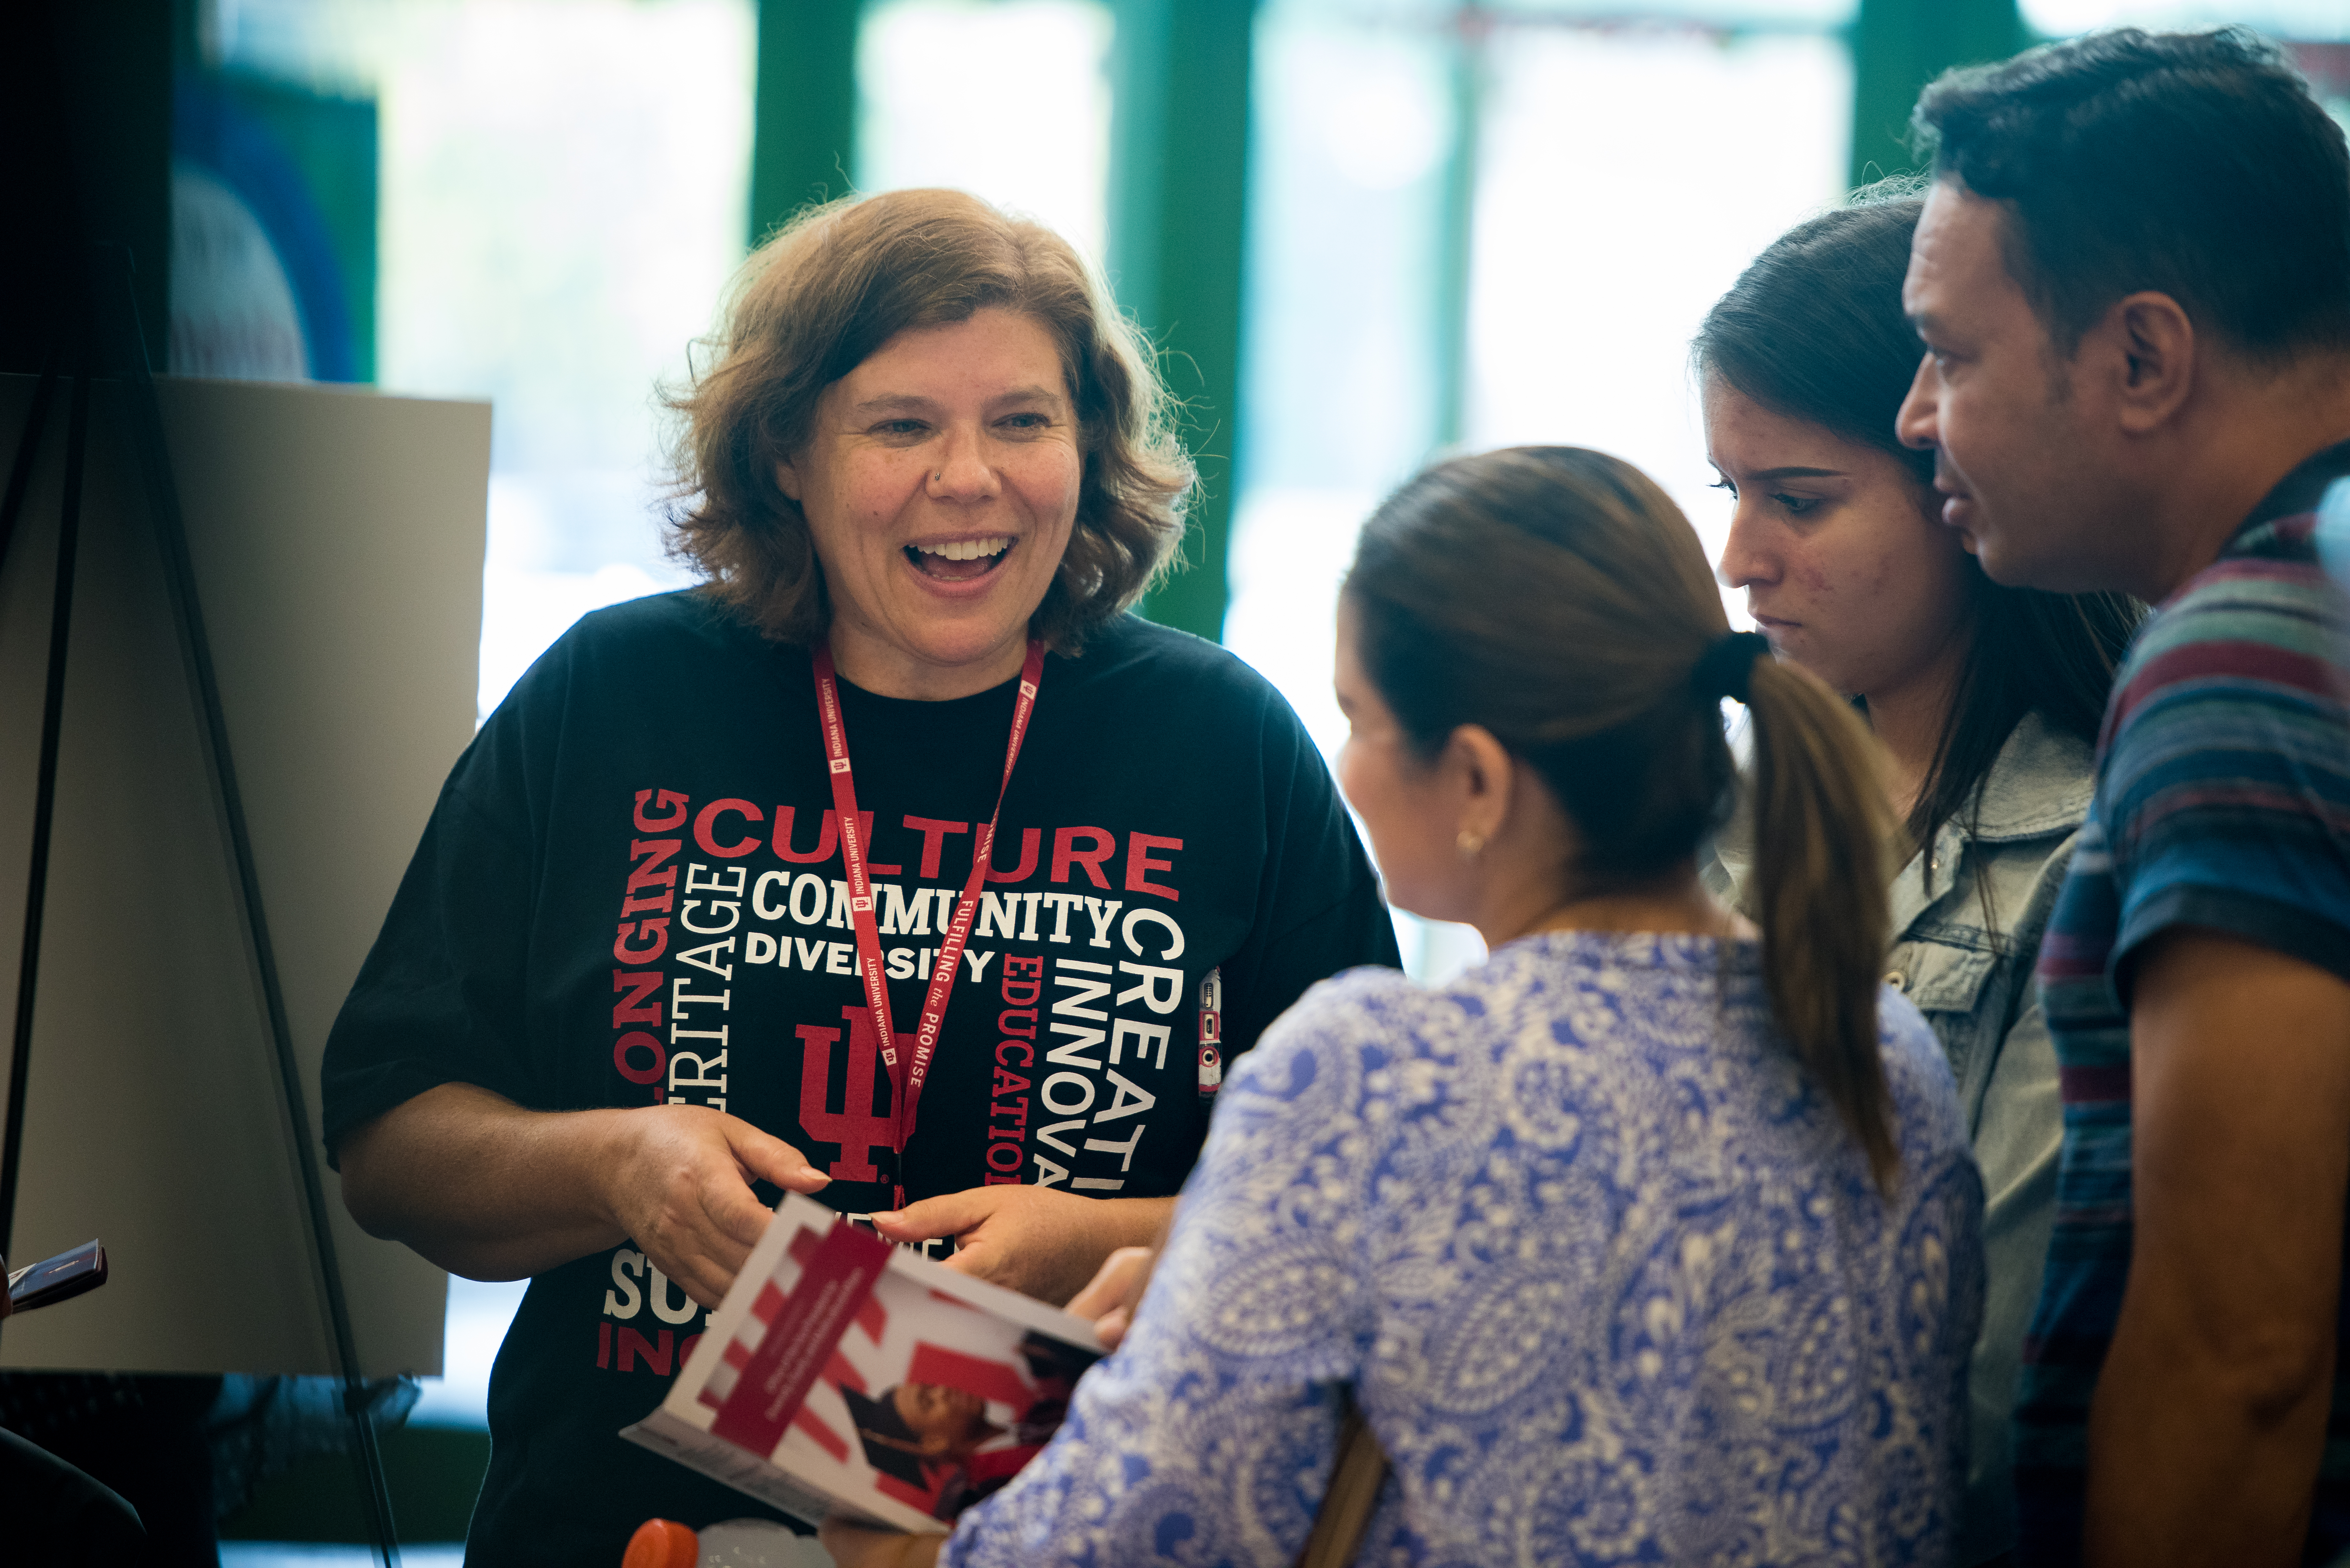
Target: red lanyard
column 906, row 1079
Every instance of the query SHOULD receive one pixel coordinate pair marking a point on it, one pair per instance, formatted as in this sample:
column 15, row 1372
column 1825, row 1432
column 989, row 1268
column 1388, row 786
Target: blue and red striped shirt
column 2222, row 800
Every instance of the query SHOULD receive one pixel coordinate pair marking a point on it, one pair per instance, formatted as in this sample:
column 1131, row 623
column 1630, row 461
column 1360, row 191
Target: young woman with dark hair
column 1651, row 1239
column 1986, row 699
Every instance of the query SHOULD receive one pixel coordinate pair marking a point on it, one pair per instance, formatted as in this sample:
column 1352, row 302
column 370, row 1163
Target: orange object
column 663, row 1543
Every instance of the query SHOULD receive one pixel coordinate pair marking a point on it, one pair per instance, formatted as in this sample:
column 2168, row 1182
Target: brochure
column 843, row 1375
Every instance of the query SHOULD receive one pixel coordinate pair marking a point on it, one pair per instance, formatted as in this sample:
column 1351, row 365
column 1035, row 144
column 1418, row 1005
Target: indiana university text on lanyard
column 906, row 1077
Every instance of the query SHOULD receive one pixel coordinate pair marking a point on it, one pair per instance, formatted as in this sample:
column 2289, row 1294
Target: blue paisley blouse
column 1602, row 1268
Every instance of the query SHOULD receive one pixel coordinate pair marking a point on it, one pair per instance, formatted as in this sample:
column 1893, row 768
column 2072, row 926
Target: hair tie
column 1726, row 668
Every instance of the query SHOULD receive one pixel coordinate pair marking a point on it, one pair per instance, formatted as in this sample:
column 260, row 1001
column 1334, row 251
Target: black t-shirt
column 631, row 891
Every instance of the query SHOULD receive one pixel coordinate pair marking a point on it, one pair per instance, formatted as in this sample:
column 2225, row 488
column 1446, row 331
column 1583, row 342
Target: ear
column 2150, row 354
column 788, row 480
column 1483, row 770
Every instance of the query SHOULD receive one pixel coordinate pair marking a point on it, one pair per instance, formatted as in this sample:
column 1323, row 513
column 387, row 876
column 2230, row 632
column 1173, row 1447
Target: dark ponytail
column 1821, row 826
column 1558, row 598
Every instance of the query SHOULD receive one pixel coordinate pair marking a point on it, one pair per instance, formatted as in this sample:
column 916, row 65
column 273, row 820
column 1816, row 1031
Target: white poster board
column 338, row 540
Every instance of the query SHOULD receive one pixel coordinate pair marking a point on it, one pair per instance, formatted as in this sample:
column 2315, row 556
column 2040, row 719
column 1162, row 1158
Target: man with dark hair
column 2133, row 280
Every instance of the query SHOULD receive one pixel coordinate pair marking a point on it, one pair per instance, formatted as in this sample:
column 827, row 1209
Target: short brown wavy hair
column 822, row 296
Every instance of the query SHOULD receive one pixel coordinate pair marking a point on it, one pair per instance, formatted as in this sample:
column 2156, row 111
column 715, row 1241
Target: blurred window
column 2309, row 19
column 562, row 191
column 1005, row 98
column 1617, row 166
column 1609, row 222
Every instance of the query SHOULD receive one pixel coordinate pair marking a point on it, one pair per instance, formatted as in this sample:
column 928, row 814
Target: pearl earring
column 1470, row 844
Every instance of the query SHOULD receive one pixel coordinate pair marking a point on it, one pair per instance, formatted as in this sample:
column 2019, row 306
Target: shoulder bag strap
column 1353, row 1495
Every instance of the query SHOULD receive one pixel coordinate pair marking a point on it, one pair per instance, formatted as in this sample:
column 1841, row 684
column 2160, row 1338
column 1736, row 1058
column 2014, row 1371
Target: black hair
column 1814, row 330
column 1558, row 598
column 890, row 1444
column 1643, row 781
column 2195, row 164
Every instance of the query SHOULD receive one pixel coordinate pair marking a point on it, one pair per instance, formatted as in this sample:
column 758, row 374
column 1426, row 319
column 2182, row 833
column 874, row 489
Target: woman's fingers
column 680, row 1193
column 771, row 1158
column 702, row 1279
column 1118, row 1283
column 1115, row 1291
column 1036, row 1240
column 736, row 1216
column 703, row 1259
column 948, row 1215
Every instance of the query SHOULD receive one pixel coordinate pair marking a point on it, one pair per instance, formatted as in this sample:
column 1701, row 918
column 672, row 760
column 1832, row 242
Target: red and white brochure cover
column 843, row 1375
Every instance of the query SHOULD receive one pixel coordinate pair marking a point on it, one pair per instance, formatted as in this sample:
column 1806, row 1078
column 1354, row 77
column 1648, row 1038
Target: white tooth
column 969, row 549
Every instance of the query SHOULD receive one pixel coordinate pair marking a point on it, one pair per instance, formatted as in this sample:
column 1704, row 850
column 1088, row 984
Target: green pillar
column 803, row 116
column 1900, row 46
column 1178, row 208
column 1454, row 258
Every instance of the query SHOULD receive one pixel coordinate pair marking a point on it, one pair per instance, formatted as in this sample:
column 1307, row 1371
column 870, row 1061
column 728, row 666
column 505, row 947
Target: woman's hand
column 491, row 1190
column 1113, row 1294
column 1033, row 1240
column 855, row 1546
column 678, row 1184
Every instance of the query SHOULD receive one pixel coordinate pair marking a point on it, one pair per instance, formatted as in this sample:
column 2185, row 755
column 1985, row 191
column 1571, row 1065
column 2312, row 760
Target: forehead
column 1347, row 676
column 1741, row 432
column 990, row 349
column 1958, row 255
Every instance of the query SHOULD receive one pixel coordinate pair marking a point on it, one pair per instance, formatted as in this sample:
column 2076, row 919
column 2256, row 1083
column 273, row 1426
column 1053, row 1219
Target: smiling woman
column 770, row 880
column 933, row 572
column 912, row 370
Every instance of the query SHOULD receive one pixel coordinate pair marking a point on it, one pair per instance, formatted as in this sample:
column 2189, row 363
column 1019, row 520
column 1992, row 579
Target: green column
column 803, row 116
column 1469, row 28
column 1178, row 166
column 1900, row 46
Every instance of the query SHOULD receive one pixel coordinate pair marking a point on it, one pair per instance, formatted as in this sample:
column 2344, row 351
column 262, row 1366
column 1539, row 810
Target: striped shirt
column 2222, row 800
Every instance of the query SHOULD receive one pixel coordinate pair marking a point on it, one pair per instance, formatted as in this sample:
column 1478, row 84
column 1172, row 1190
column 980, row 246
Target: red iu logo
column 858, row 1134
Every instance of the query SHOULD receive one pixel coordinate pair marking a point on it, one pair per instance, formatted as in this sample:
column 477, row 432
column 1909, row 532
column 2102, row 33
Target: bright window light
column 564, row 185
column 1625, row 176
column 1351, row 138
column 479, row 1315
column 1628, row 180
column 2312, row 20
column 1005, row 98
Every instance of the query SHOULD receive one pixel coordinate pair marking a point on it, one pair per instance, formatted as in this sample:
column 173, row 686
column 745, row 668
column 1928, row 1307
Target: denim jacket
column 1968, row 914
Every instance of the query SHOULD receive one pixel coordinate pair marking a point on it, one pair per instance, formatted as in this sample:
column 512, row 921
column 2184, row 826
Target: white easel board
column 338, row 540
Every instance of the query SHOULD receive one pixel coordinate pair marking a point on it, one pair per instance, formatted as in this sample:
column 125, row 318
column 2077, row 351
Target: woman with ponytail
column 1986, row 699
column 1651, row 1239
